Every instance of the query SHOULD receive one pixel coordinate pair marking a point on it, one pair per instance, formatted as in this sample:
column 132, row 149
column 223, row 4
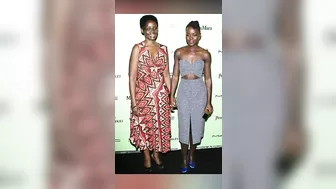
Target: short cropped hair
column 147, row 18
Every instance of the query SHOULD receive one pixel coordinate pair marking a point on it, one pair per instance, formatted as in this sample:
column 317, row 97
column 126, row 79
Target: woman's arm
column 176, row 73
column 166, row 72
column 291, row 46
column 207, row 76
column 133, row 68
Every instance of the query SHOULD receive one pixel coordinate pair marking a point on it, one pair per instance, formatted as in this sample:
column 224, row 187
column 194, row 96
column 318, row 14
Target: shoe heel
column 148, row 170
column 184, row 170
column 161, row 167
column 192, row 165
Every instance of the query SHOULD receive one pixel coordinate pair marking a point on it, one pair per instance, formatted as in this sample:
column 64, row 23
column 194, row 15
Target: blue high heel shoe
column 192, row 165
column 184, row 169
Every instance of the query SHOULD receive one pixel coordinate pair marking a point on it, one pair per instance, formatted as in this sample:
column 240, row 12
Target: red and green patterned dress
column 151, row 128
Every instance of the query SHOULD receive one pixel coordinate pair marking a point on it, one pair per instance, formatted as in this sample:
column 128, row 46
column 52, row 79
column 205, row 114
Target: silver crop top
column 191, row 68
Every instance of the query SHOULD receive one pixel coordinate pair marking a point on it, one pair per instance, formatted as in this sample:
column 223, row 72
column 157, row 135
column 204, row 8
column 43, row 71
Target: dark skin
column 150, row 32
column 192, row 52
column 294, row 64
column 289, row 36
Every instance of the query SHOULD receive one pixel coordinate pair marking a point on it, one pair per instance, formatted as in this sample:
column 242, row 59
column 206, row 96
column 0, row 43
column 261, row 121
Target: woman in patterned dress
column 149, row 85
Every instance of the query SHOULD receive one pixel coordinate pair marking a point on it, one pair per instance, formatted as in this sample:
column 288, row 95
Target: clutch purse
column 206, row 115
column 172, row 110
column 294, row 146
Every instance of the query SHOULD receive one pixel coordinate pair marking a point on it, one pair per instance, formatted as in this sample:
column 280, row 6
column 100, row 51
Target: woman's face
column 151, row 30
column 193, row 36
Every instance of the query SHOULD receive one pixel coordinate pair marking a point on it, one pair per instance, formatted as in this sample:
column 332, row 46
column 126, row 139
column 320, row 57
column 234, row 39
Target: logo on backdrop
column 218, row 118
column 219, row 51
column 117, row 140
column 116, row 98
column 218, row 96
column 329, row 100
column 42, row 105
column 172, row 117
column 330, row 37
column 117, row 76
column 7, row 39
column 118, row 120
column 205, row 27
column 216, row 136
column 174, row 139
column 4, row 108
column 220, row 76
column 128, row 97
column 326, row 168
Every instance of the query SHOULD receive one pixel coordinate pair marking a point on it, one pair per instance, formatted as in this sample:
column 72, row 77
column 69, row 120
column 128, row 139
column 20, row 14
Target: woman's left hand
column 209, row 108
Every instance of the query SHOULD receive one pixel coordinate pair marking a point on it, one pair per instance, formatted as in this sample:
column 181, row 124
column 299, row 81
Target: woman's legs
column 192, row 148
column 156, row 158
column 147, row 159
column 184, row 150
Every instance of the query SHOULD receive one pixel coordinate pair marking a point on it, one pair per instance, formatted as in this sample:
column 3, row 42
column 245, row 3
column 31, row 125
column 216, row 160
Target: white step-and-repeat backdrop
column 23, row 126
column 23, row 120
column 318, row 169
column 171, row 34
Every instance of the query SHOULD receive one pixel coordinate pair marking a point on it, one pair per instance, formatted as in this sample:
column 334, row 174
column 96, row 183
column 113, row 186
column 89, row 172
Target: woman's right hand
column 172, row 102
column 135, row 110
